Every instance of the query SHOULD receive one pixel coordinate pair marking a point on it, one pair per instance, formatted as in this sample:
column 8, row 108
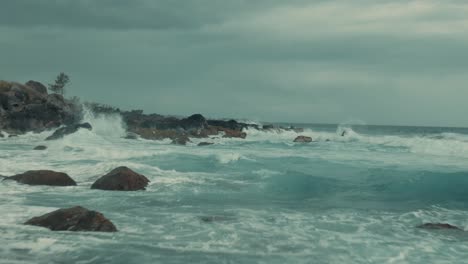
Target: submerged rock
column 43, row 177
column 121, row 179
column 303, row 139
column 215, row 218
column 74, row 219
column 61, row 132
column 438, row 226
column 205, row 144
column 40, row 147
column 181, row 140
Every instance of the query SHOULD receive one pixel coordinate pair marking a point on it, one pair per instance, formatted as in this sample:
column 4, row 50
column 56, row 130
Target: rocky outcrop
column 74, row 219
column 303, row 139
column 43, row 177
column 25, row 108
column 40, row 147
column 438, row 226
column 61, row 132
column 121, row 179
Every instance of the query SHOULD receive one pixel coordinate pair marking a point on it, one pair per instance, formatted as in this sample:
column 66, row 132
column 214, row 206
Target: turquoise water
column 354, row 199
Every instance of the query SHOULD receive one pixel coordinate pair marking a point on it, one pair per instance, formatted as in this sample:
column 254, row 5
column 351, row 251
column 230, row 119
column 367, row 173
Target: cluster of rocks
column 79, row 218
column 28, row 107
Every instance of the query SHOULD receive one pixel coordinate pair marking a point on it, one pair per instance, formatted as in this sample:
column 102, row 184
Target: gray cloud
column 384, row 62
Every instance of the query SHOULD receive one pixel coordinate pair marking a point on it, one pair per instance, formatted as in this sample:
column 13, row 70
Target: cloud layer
column 382, row 62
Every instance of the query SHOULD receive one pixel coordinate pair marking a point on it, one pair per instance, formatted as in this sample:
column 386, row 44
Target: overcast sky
column 377, row 61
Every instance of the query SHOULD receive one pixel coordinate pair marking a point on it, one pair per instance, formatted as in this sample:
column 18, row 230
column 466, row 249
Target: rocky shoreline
column 30, row 108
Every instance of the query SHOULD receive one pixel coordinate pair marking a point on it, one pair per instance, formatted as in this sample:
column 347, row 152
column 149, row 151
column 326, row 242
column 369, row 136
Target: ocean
column 355, row 198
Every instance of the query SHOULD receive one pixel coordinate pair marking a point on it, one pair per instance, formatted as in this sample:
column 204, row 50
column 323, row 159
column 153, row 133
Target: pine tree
column 60, row 82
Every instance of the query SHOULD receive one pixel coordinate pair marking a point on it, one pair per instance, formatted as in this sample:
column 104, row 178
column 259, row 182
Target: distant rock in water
column 61, row 132
column 121, row 179
column 215, row 218
column 40, row 148
column 438, row 226
column 303, row 139
column 205, row 144
column 43, row 177
column 181, row 140
column 74, row 219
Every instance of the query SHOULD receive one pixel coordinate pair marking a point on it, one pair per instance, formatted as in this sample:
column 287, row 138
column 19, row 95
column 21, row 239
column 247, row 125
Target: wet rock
column 214, row 218
column 74, row 219
column 180, row 140
column 40, row 147
column 196, row 121
column 438, row 226
column 303, row 139
column 26, row 108
column 43, row 177
column 205, row 144
column 121, row 179
column 61, row 132
column 229, row 133
column 268, row 127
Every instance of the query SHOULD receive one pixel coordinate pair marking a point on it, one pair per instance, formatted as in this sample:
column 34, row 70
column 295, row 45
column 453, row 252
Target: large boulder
column 303, row 139
column 438, row 226
column 43, row 177
column 73, row 219
column 61, row 132
column 121, row 179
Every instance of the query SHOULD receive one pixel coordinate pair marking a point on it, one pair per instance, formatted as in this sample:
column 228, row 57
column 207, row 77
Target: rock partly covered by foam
column 303, row 139
column 438, row 226
column 67, row 130
column 74, row 219
column 25, row 108
column 41, row 147
column 43, row 177
column 205, row 144
column 121, row 179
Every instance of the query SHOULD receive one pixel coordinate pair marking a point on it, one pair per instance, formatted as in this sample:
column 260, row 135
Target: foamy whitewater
column 354, row 199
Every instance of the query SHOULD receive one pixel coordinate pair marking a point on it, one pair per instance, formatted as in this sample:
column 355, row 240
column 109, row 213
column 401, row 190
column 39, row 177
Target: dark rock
column 303, row 139
column 196, row 121
column 121, row 179
column 180, row 140
column 205, row 144
column 37, row 86
column 74, row 219
column 26, row 108
column 268, row 127
column 438, row 226
column 61, row 132
column 40, row 148
column 214, row 218
column 43, row 177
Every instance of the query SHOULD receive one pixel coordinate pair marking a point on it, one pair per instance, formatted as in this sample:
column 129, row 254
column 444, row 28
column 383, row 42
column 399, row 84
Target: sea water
column 353, row 197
